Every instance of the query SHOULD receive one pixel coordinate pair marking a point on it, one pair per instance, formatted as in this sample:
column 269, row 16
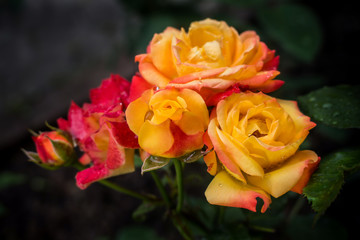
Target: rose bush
column 168, row 123
column 100, row 130
column 209, row 58
column 255, row 139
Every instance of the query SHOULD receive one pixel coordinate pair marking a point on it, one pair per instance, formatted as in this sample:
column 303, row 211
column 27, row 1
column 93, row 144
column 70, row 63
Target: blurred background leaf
column 295, row 27
column 138, row 232
column 337, row 106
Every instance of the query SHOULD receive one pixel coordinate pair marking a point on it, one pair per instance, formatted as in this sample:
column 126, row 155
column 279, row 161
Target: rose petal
column 138, row 86
column 222, row 154
column 284, row 178
column 156, row 139
column 227, row 191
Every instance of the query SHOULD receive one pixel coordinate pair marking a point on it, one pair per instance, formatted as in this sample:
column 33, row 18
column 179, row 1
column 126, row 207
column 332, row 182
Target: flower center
column 167, row 109
column 257, row 127
column 212, row 50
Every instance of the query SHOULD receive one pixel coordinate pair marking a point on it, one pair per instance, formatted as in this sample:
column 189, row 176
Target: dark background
column 55, row 51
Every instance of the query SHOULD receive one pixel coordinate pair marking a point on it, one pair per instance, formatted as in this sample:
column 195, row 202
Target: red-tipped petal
column 272, row 64
column 307, row 172
column 272, row 85
column 199, row 75
column 225, row 190
column 85, row 177
column 138, row 86
column 123, row 135
column 112, row 91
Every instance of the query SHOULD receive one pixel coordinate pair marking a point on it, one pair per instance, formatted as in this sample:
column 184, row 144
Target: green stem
column 116, row 187
column 161, row 189
column 176, row 219
column 296, row 208
column 263, row 229
column 179, row 180
column 221, row 213
column 125, row 191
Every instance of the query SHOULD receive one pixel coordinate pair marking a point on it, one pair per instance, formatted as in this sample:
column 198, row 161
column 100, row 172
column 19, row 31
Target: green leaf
column 65, row 152
column 137, row 161
column 295, row 27
column 326, row 182
column 193, row 156
column 34, row 157
column 153, row 163
column 140, row 213
column 337, row 106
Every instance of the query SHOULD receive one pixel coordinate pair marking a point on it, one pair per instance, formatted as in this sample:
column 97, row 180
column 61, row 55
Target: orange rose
column 256, row 139
column 209, row 58
column 170, row 122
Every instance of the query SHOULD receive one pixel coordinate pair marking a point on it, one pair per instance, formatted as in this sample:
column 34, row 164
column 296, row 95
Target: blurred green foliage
column 334, row 106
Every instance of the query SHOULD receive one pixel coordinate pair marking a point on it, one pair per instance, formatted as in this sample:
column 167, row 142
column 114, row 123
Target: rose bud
column 54, row 149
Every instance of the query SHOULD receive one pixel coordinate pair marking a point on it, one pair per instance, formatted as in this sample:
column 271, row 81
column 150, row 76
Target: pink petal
column 138, row 86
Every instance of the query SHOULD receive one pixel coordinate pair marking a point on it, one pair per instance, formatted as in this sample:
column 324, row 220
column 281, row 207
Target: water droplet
column 327, row 105
column 220, row 185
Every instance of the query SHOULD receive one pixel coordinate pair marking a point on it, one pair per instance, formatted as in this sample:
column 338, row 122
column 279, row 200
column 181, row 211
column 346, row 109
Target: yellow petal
column 273, row 154
column 151, row 74
column 196, row 105
column 240, row 155
column 227, row 191
column 282, row 179
column 135, row 114
column 190, row 124
column 301, row 121
column 161, row 52
column 155, row 139
column 221, row 152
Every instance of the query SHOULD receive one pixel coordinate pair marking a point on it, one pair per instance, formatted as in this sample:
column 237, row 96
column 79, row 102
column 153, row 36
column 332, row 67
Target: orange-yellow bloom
column 209, row 58
column 170, row 122
column 256, row 139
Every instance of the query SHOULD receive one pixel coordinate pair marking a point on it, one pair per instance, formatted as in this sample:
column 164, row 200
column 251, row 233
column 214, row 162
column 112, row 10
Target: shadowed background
column 55, row 51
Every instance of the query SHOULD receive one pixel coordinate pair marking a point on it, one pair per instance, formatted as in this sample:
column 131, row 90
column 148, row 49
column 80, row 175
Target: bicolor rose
column 53, row 149
column 256, row 139
column 209, row 58
column 168, row 123
column 100, row 130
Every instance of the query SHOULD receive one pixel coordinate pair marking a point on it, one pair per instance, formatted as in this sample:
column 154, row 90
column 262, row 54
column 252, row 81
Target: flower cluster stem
column 179, row 181
column 161, row 188
column 117, row 187
column 126, row 191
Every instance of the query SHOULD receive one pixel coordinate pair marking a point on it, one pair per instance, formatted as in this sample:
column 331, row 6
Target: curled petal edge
column 225, row 190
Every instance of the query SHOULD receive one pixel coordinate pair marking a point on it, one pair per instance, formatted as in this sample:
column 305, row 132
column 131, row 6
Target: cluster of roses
column 198, row 90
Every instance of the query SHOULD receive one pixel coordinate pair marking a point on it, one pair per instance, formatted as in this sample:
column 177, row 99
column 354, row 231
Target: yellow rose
column 256, row 139
column 209, row 58
column 170, row 122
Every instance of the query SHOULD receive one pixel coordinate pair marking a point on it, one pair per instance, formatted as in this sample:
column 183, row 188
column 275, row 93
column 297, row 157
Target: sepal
column 193, row 156
column 34, row 157
column 153, row 163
